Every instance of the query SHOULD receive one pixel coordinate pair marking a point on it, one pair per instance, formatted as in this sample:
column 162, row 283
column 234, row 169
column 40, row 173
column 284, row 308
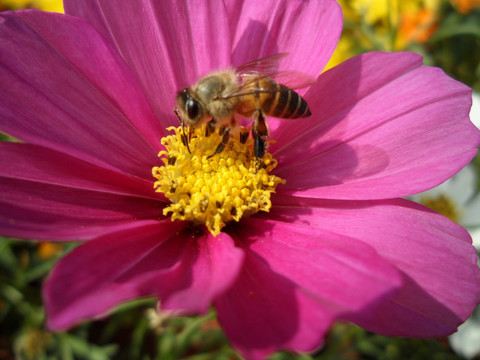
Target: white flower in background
column 458, row 199
column 475, row 117
column 466, row 341
column 476, row 238
column 475, row 111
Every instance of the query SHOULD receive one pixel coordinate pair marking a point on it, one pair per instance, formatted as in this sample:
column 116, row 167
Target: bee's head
column 191, row 109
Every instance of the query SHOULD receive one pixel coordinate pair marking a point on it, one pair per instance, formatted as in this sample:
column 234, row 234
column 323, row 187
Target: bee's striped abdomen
column 283, row 102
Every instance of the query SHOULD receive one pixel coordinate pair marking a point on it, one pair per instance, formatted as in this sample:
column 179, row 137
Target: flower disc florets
column 213, row 189
column 442, row 204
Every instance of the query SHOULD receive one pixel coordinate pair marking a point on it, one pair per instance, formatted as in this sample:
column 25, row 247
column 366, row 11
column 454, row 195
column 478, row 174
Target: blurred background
column 447, row 34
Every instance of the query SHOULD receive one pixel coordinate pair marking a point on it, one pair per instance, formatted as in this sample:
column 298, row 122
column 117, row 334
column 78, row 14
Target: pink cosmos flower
column 90, row 94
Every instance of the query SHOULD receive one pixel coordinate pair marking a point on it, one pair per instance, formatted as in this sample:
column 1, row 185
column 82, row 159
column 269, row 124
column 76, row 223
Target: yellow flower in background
column 349, row 13
column 395, row 24
column 47, row 5
column 379, row 11
column 383, row 11
column 344, row 50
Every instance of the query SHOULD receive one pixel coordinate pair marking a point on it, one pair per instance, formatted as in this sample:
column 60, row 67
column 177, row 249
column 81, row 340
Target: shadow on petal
column 328, row 123
column 254, row 37
column 338, row 164
column 413, row 312
column 260, row 312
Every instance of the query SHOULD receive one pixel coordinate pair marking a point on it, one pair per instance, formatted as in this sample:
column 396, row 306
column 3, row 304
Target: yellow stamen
column 213, row 189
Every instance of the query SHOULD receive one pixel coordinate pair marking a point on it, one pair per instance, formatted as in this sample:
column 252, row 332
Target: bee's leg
column 223, row 143
column 260, row 134
column 210, row 128
column 260, row 147
column 221, row 130
column 244, row 132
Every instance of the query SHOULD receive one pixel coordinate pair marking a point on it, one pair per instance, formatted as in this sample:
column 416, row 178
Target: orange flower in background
column 47, row 250
column 465, row 6
column 417, row 26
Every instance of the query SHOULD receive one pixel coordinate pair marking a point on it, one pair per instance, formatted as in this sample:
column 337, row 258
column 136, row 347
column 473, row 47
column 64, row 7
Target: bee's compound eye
column 182, row 98
column 193, row 108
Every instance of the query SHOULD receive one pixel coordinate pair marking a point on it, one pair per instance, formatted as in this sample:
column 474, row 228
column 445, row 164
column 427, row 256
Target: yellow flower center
column 213, row 189
column 443, row 205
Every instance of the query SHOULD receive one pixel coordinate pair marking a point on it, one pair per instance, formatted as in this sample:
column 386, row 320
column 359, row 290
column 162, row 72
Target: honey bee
column 254, row 89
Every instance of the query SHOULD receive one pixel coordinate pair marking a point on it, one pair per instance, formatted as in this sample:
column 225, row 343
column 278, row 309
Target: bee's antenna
column 185, row 139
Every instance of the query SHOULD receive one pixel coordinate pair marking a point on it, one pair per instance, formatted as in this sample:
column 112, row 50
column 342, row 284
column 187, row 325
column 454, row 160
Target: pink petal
column 35, row 163
column 184, row 269
column 308, row 30
column 64, row 88
column 168, row 44
column 54, row 212
column 377, row 134
column 50, row 195
column 214, row 265
column 435, row 256
column 295, row 283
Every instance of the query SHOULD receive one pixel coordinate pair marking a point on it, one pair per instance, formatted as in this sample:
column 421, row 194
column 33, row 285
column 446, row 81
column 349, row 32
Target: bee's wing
column 265, row 66
column 268, row 67
column 291, row 79
column 294, row 79
column 248, row 86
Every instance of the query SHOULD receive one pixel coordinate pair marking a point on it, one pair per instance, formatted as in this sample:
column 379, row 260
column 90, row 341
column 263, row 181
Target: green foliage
column 136, row 330
column 131, row 332
column 455, row 47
